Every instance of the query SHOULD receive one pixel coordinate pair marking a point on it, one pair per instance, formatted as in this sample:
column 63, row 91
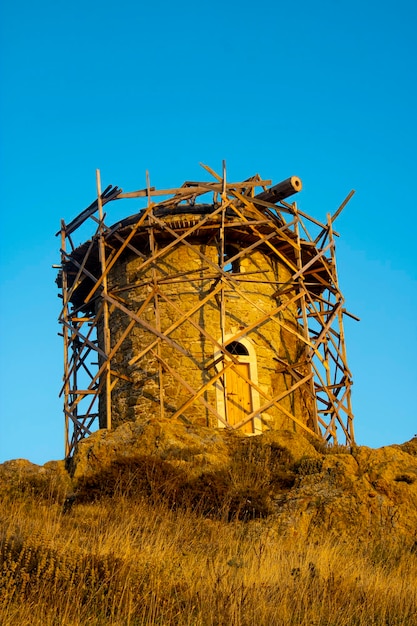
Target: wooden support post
column 302, row 303
column 221, row 260
column 65, row 315
column 106, row 328
column 350, row 434
column 152, row 247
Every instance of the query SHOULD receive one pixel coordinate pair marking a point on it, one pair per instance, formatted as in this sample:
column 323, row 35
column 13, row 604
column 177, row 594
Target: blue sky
column 322, row 90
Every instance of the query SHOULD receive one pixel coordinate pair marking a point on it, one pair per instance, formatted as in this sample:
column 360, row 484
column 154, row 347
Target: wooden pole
column 106, row 328
column 305, row 327
column 65, row 316
column 222, row 282
column 350, row 428
column 152, row 247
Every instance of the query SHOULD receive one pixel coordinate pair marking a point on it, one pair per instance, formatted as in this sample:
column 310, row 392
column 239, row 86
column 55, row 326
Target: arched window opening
column 235, row 347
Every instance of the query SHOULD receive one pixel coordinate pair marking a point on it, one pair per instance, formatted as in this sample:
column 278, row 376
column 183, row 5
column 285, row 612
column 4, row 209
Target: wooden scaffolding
column 264, row 220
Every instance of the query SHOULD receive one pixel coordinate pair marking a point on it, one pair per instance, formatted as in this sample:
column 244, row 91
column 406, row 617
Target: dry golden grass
column 134, row 561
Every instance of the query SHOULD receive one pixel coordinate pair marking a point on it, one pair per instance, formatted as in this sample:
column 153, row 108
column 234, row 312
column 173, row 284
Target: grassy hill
column 193, row 527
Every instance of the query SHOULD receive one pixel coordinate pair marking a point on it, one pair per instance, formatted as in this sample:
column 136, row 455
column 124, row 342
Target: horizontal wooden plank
column 194, row 188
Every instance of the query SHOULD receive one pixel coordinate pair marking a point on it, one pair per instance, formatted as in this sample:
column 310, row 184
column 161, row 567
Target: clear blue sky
column 323, row 90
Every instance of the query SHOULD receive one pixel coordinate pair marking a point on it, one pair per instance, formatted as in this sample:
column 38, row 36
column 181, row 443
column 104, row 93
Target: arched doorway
column 236, row 398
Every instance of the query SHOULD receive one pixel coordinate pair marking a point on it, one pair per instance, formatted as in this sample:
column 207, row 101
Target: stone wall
column 185, row 278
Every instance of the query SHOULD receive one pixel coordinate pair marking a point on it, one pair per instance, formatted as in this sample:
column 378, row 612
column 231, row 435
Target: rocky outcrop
column 373, row 491
column 297, row 485
column 21, row 477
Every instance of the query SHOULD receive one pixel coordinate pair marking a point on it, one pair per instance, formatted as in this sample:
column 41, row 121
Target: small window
column 233, row 266
column 234, row 347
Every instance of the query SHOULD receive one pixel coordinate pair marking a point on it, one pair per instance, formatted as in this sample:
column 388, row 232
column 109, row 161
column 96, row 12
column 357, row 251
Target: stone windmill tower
column 216, row 305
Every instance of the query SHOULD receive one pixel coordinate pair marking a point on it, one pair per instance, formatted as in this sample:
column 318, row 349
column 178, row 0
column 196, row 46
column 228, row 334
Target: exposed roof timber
column 282, row 190
column 191, row 187
column 108, row 194
column 273, row 195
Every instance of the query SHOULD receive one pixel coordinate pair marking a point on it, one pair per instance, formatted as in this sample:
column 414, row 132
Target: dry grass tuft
column 133, row 557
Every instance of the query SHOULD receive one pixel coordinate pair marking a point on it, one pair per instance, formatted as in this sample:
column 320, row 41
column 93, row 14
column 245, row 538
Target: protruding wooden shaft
column 282, row 190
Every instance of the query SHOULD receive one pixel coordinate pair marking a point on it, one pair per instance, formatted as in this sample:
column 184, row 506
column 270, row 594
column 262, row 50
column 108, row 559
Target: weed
column 307, row 466
column 146, row 542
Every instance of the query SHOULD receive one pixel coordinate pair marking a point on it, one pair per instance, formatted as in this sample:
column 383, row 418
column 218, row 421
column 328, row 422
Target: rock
column 189, row 445
column 299, row 485
column 179, row 444
column 20, row 477
column 370, row 490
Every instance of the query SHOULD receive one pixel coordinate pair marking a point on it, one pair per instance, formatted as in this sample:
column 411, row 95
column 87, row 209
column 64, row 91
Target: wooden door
column 239, row 397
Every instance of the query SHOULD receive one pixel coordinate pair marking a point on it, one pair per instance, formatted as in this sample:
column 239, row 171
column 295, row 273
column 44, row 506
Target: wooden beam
column 184, row 317
column 275, row 402
column 188, row 387
column 282, row 190
column 120, row 250
column 202, row 389
column 249, row 204
column 198, row 188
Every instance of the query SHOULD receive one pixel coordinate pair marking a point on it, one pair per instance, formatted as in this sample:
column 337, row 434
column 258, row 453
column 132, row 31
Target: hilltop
column 161, row 522
column 300, row 483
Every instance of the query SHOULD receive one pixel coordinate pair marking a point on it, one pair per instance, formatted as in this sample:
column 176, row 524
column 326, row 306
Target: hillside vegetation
column 162, row 523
